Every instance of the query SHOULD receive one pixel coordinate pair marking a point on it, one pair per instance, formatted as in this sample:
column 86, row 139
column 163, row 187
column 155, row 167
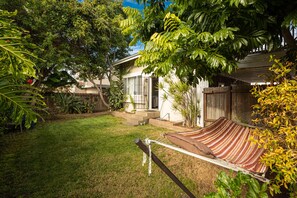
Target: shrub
column 240, row 186
column 69, row 103
column 116, row 95
column 276, row 112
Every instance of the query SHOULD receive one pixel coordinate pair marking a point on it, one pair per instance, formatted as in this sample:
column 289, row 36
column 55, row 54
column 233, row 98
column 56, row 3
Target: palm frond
column 17, row 60
column 20, row 102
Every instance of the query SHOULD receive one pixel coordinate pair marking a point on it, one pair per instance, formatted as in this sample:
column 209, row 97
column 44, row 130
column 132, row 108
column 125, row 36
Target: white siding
column 165, row 106
column 202, row 84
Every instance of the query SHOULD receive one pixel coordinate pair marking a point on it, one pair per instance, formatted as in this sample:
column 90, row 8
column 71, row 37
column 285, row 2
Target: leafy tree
column 142, row 25
column 276, row 112
column 18, row 101
column 81, row 37
column 203, row 38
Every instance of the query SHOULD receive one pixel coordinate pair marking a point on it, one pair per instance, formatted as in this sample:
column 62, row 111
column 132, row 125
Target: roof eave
column 126, row 59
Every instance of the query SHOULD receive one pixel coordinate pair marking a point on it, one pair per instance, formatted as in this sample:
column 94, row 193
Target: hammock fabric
column 223, row 139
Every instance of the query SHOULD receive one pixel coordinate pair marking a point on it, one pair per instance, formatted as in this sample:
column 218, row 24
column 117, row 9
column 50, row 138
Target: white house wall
column 134, row 71
column 165, row 106
column 202, row 84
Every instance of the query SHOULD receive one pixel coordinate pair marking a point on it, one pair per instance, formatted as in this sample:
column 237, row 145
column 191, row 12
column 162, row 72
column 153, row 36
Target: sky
column 134, row 4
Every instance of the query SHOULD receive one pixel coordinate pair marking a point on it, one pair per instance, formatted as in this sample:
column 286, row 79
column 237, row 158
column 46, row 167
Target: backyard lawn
column 93, row 157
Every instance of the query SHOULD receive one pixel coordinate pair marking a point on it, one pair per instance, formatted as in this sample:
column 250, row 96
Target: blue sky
column 134, row 4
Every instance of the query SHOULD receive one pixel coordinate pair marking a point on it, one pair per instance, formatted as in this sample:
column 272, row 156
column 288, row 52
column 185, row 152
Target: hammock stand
column 217, row 161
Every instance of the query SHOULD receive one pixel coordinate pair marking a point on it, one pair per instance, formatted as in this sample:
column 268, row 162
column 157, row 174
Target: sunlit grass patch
column 93, row 157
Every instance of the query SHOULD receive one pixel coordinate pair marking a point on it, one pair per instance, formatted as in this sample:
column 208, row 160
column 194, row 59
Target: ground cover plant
column 93, row 157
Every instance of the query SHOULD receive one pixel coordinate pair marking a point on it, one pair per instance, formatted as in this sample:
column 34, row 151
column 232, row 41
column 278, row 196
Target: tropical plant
column 19, row 102
column 200, row 39
column 132, row 101
column 241, row 185
column 142, row 25
column 276, row 112
column 116, row 96
column 183, row 99
column 69, row 103
column 76, row 37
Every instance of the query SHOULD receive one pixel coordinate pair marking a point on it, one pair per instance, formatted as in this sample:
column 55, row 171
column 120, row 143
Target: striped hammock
column 223, row 139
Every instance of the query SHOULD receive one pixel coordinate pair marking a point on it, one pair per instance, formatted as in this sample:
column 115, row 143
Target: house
column 87, row 87
column 228, row 96
column 143, row 94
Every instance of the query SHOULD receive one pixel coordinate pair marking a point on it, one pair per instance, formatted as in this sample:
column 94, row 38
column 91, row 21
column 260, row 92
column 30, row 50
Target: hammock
column 224, row 143
column 223, row 139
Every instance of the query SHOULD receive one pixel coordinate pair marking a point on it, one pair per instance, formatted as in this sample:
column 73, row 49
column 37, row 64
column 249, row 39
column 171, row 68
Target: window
column 133, row 85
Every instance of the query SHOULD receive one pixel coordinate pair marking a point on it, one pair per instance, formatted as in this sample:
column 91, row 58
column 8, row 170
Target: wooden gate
column 231, row 102
column 216, row 103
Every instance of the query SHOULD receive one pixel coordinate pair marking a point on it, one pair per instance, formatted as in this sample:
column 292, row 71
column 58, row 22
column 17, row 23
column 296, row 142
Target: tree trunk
column 99, row 89
column 288, row 37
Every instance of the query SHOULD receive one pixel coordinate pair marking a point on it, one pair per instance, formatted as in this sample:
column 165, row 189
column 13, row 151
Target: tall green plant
column 276, row 112
column 19, row 102
column 116, row 96
column 69, row 103
column 183, row 99
column 132, row 101
column 15, row 58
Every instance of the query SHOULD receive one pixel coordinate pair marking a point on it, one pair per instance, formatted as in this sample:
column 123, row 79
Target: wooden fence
column 94, row 99
column 233, row 102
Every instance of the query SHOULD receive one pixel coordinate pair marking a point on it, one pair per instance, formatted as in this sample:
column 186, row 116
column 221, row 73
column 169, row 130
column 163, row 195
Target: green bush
column 116, row 95
column 240, row 186
column 69, row 103
column 276, row 112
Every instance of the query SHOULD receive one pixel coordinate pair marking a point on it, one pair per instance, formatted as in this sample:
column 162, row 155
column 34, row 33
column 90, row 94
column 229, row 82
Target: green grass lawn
column 93, row 157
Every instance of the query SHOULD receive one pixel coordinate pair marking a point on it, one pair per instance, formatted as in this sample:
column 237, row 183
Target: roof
column 255, row 67
column 252, row 69
column 126, row 59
